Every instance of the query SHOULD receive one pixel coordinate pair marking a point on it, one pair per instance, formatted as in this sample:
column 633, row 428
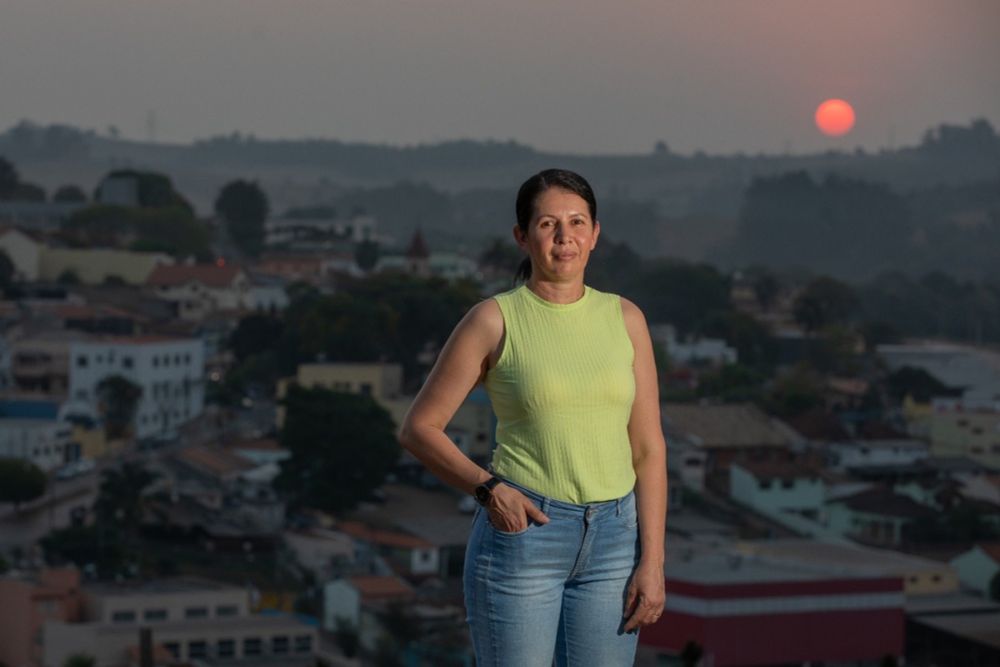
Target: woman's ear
column 597, row 232
column 520, row 236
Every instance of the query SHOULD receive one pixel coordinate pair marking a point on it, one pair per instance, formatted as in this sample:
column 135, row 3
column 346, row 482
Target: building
column 381, row 381
column 407, row 554
column 849, row 454
column 922, row 578
column 358, row 600
column 741, row 610
column 29, row 601
column 197, row 290
column 979, row 569
column 42, row 442
column 727, row 434
column 93, row 266
column 24, row 250
column 777, row 487
column 712, row 350
column 974, row 370
column 170, row 372
column 876, row 516
column 191, row 619
column 956, row 431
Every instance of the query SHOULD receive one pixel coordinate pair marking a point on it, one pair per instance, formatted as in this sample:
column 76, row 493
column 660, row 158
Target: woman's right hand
column 510, row 510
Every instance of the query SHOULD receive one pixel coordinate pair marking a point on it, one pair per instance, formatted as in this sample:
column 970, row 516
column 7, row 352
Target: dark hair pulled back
column 531, row 189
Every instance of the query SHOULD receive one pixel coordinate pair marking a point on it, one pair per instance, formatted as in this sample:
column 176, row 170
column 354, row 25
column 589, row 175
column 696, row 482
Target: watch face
column 483, row 494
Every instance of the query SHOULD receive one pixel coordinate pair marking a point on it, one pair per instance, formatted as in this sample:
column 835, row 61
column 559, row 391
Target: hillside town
column 198, row 460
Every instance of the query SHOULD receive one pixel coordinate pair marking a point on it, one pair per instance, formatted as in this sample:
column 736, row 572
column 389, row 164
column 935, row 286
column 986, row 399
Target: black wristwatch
column 484, row 492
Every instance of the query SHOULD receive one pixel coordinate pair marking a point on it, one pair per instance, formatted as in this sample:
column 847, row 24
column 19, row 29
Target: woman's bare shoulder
column 632, row 314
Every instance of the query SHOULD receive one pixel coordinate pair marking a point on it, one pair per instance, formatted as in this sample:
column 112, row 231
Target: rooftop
column 209, row 275
column 725, row 425
column 171, row 585
column 840, row 557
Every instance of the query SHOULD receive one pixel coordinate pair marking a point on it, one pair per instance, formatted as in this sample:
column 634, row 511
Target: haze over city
column 581, row 77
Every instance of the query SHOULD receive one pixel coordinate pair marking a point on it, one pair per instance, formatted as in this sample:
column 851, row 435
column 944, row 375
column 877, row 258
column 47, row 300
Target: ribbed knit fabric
column 562, row 392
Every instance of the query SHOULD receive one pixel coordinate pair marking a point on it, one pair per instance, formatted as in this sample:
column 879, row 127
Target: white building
column 712, row 350
column 866, row 453
column 170, row 372
column 978, row 567
column 43, row 442
column 975, row 370
column 776, row 487
column 24, row 252
column 202, row 289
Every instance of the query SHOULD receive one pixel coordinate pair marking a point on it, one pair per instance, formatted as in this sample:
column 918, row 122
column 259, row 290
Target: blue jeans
column 553, row 591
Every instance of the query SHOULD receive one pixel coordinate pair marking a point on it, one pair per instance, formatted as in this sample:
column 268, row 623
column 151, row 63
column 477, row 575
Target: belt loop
column 545, row 505
column 618, row 507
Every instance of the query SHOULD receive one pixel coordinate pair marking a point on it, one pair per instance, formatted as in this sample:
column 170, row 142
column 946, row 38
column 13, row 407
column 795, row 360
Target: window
column 156, row 362
column 174, row 649
column 187, row 358
column 126, row 362
column 366, row 389
column 225, row 648
column 198, row 649
column 154, row 615
column 279, row 645
column 100, row 359
column 196, row 612
column 81, row 362
column 787, row 483
column 764, row 484
column 226, row 610
column 177, row 360
column 303, row 644
column 122, row 616
column 251, row 647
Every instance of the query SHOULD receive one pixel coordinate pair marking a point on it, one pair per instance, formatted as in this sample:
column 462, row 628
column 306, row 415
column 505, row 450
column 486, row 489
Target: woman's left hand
column 644, row 602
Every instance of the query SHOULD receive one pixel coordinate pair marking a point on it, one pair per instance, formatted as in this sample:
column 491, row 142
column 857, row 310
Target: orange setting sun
column 834, row 118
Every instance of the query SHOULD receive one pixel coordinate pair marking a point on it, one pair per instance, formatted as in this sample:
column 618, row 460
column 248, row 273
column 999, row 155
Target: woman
column 565, row 560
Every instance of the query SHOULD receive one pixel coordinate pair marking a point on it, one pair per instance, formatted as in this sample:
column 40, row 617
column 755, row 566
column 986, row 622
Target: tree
column 342, row 446
column 20, row 481
column 9, row 179
column 80, row 660
column 28, row 192
column 69, row 193
column 120, row 502
column 7, row 270
column 118, row 398
column 244, row 207
column 366, row 255
column 254, row 334
column 823, row 302
column 68, row 277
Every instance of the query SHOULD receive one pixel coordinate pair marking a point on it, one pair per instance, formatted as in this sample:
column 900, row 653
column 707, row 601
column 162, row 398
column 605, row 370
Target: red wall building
column 744, row 612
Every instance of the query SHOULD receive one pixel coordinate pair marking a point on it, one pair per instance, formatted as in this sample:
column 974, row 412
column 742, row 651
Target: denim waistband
column 546, row 502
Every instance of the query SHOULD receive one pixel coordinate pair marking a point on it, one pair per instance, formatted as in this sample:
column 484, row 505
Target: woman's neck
column 553, row 292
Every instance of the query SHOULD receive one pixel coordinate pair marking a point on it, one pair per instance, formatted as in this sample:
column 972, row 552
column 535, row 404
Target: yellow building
column 94, row 265
column 971, row 433
column 381, row 381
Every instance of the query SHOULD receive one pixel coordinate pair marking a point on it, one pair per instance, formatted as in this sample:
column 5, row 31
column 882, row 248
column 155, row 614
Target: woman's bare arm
column 649, row 459
column 461, row 364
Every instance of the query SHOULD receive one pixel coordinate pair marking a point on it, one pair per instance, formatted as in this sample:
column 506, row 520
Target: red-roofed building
column 409, row 555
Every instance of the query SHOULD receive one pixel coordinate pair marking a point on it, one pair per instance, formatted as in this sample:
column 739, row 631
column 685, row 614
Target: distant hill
column 661, row 203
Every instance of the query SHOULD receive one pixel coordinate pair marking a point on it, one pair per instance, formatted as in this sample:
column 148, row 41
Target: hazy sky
column 573, row 75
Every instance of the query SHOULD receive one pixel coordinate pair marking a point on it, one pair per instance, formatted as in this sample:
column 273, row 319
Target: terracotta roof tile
column 374, row 587
column 388, row 538
column 210, row 275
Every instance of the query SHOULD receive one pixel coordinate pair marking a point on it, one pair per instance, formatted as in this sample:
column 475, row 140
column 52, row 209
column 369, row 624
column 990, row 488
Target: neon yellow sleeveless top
column 562, row 391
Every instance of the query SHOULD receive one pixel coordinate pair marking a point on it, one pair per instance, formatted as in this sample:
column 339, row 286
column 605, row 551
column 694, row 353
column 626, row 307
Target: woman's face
column 560, row 235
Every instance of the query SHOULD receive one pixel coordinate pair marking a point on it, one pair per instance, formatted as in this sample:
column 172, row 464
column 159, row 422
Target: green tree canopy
column 153, row 190
column 244, row 207
column 80, row 660
column 171, row 230
column 9, row 179
column 20, row 481
column 7, row 270
column 69, row 193
column 120, row 502
column 342, row 446
column 118, row 398
column 823, row 302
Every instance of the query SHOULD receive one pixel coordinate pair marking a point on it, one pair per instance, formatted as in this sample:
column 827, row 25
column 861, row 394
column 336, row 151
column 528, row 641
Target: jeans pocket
column 508, row 533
